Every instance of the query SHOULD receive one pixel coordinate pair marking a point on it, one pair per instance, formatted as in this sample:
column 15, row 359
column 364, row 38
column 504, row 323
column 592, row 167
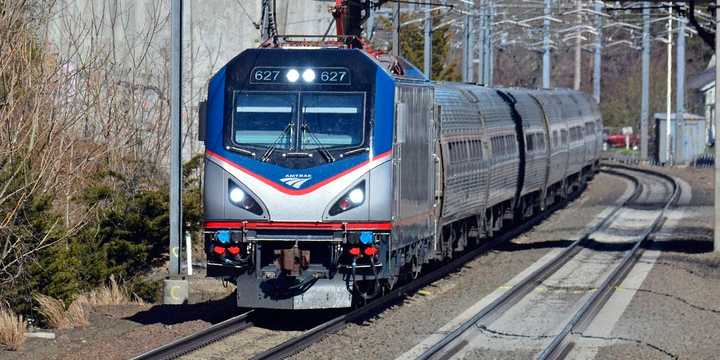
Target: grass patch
column 111, row 294
column 12, row 329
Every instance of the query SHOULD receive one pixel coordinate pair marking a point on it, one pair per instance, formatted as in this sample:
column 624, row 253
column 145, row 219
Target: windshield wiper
column 271, row 149
column 321, row 148
column 354, row 151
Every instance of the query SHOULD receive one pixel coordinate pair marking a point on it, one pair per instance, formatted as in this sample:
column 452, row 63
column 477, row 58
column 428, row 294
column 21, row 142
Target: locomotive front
column 297, row 191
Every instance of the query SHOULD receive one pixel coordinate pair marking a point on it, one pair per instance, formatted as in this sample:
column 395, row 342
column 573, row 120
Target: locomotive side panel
column 414, row 165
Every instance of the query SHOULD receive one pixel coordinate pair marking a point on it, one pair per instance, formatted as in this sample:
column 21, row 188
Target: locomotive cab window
column 299, row 121
column 265, row 119
column 331, row 120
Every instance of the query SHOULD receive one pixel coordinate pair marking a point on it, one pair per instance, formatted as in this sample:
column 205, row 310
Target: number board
column 323, row 76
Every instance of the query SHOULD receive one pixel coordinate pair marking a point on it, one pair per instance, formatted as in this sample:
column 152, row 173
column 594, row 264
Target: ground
column 675, row 312
column 123, row 331
column 672, row 313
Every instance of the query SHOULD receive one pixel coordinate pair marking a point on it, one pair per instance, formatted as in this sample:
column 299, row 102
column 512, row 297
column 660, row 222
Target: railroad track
column 296, row 344
column 652, row 199
column 199, row 339
column 241, row 322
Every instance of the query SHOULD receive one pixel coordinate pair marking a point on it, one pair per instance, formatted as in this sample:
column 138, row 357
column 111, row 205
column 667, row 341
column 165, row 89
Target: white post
column 188, row 252
column 717, row 128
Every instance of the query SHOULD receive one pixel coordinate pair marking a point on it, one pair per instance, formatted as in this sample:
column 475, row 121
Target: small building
column 694, row 138
column 704, row 82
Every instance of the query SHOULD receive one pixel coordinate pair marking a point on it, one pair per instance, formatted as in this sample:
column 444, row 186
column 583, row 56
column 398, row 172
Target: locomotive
column 332, row 173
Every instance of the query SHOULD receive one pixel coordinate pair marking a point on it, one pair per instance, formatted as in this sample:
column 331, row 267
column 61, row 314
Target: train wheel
column 416, row 268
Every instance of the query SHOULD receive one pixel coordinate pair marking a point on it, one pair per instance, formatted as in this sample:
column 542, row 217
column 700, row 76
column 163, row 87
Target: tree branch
column 707, row 36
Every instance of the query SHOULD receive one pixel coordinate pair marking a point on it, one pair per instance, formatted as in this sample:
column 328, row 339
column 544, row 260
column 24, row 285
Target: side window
column 564, row 136
column 529, row 141
column 555, row 139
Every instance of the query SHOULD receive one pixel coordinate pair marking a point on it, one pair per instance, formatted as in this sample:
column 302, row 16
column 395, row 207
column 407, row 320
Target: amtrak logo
column 295, row 180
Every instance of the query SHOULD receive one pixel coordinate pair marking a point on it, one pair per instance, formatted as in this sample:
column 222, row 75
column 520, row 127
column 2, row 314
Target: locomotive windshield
column 323, row 121
column 265, row 119
column 331, row 120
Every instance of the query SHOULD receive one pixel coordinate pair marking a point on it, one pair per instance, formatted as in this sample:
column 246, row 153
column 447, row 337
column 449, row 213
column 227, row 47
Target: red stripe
column 290, row 191
column 223, row 225
column 369, row 226
column 298, row 225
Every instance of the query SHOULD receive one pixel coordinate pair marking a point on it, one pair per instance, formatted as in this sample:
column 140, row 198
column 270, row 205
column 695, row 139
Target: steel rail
column 199, row 339
column 519, row 290
column 297, row 344
column 558, row 346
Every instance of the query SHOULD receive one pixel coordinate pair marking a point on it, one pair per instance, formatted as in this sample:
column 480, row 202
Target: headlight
column 352, row 199
column 292, row 75
column 239, row 198
column 357, row 196
column 237, row 195
column 308, row 75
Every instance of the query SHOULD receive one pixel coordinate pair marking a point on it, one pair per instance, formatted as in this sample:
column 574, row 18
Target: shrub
column 53, row 310
column 12, row 329
column 57, row 316
column 112, row 294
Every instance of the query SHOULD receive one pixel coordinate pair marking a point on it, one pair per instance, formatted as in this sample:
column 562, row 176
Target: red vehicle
column 618, row 140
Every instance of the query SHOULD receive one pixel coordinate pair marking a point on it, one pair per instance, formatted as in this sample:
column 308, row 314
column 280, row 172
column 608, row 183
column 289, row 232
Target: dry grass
column 59, row 317
column 76, row 314
column 53, row 310
column 113, row 294
column 12, row 329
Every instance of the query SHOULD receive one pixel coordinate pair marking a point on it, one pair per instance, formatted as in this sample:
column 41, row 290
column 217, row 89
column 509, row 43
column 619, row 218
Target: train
column 332, row 173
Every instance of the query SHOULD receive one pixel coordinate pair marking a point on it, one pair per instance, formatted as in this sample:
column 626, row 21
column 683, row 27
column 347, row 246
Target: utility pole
column 716, row 119
column 489, row 62
column 680, row 140
column 578, row 46
column 668, row 95
column 175, row 289
column 645, row 103
column 471, row 46
column 267, row 24
column 427, row 53
column 546, row 45
column 370, row 24
column 396, row 32
column 597, row 61
column 467, row 54
column 481, row 45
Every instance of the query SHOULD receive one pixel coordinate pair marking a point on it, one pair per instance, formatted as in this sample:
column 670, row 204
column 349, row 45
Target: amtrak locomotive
column 332, row 173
